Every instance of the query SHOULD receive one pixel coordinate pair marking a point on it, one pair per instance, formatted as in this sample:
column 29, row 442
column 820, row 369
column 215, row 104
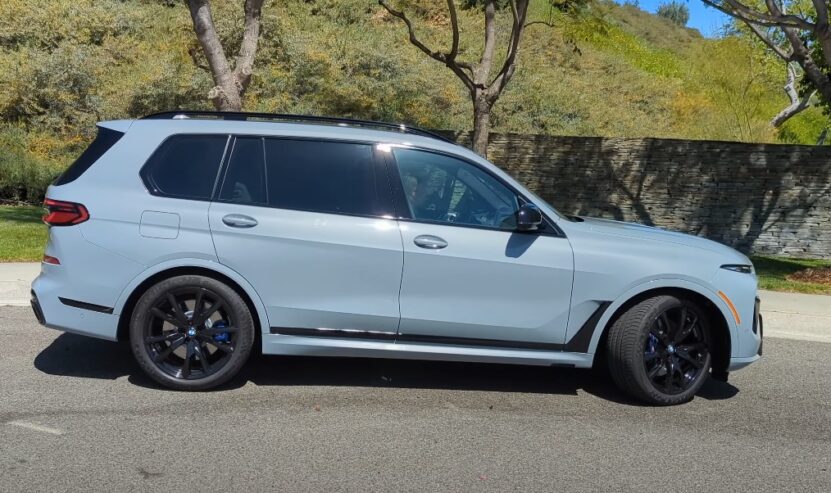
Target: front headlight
column 743, row 268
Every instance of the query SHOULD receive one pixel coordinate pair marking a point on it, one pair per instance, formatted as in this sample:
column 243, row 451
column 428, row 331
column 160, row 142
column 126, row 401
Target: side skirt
column 384, row 345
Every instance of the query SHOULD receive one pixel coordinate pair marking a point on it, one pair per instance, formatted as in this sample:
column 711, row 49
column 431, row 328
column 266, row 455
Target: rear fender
column 203, row 264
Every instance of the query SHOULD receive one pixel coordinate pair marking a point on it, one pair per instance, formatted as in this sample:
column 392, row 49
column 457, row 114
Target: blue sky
column 706, row 19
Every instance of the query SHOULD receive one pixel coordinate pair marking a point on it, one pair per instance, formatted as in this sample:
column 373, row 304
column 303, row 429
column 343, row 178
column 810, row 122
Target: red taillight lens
column 60, row 213
column 48, row 259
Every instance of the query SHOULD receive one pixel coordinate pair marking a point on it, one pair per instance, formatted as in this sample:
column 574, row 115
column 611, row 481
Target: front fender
column 708, row 292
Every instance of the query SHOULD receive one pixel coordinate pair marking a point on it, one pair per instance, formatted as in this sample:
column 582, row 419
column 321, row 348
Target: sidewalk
column 804, row 317
column 15, row 281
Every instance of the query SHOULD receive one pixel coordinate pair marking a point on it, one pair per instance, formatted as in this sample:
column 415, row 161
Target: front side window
column 444, row 189
column 185, row 166
column 332, row 177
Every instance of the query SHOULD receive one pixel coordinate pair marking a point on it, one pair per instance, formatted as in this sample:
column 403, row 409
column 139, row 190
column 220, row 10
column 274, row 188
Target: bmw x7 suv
column 197, row 236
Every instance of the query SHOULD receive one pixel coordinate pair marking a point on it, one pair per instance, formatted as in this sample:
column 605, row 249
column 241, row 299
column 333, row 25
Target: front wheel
column 191, row 332
column 659, row 350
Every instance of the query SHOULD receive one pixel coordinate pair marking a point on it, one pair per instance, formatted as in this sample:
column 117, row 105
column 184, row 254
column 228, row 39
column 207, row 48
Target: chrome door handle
column 430, row 242
column 239, row 221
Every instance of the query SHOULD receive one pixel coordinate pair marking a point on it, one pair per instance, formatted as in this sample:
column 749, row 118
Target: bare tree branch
column 248, row 48
column 519, row 11
column 454, row 24
column 484, row 91
column 784, row 55
column 793, row 28
column 456, row 67
column 741, row 11
column 544, row 23
column 797, row 105
column 822, row 11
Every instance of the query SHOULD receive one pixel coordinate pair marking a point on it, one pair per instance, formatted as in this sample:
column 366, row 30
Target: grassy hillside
column 65, row 64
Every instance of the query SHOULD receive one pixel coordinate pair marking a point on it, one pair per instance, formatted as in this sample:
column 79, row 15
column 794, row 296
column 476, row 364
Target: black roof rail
column 336, row 120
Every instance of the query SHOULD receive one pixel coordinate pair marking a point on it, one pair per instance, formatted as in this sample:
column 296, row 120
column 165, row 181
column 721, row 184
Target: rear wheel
column 659, row 350
column 191, row 332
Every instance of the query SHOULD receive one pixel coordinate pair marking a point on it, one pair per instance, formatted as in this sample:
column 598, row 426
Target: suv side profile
column 198, row 235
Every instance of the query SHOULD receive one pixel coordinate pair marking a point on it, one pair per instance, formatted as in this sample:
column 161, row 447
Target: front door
column 302, row 221
column 469, row 277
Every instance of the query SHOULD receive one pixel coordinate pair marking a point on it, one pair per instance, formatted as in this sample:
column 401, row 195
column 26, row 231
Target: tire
column 201, row 345
column 655, row 358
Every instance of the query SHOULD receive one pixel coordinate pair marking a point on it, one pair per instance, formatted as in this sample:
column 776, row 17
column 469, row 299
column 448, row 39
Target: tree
column 230, row 83
column 484, row 88
column 676, row 12
column 803, row 37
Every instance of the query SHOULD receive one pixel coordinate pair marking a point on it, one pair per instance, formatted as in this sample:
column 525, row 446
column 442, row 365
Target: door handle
column 239, row 221
column 430, row 242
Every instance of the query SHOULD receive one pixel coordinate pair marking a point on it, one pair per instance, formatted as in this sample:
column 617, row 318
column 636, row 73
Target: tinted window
column 245, row 179
column 186, row 166
column 444, row 189
column 321, row 176
column 105, row 139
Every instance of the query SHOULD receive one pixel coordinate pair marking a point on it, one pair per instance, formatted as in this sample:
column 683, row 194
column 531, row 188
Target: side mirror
column 528, row 218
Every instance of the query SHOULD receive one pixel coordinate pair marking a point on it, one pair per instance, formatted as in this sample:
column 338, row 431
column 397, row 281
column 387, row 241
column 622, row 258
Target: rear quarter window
column 185, row 166
column 105, row 139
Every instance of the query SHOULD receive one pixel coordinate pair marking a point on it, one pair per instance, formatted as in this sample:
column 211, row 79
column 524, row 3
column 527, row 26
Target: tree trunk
column 481, row 126
column 230, row 84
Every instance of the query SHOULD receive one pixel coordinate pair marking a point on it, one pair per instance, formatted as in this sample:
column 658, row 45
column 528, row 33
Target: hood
column 641, row 231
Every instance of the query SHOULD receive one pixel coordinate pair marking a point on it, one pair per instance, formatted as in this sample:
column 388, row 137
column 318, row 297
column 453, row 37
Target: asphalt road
column 77, row 414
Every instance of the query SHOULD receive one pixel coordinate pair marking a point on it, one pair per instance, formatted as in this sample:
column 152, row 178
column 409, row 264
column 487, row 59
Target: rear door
column 309, row 224
column 469, row 277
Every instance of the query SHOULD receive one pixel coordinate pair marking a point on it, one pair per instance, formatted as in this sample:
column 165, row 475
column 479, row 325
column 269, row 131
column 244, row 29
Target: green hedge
column 23, row 177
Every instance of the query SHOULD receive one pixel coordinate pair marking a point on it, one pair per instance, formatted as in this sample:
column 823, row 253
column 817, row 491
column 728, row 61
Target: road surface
column 77, row 414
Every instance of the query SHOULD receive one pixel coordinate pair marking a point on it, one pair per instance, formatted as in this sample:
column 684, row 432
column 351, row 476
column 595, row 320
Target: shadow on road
column 78, row 356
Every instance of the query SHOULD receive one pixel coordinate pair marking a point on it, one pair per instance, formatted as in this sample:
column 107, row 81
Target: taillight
column 60, row 213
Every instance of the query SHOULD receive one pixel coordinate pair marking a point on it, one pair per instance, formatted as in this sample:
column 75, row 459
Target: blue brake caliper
column 221, row 336
column 652, row 344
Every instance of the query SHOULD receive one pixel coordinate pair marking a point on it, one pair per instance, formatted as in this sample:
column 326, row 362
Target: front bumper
column 758, row 325
column 755, row 338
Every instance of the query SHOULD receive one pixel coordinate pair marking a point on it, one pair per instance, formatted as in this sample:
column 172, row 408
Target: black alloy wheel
column 191, row 332
column 676, row 350
column 659, row 350
column 189, row 335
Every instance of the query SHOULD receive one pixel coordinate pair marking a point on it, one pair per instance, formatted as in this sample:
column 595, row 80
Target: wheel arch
column 722, row 329
column 131, row 294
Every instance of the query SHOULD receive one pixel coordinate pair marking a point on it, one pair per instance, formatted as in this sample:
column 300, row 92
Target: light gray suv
column 198, row 235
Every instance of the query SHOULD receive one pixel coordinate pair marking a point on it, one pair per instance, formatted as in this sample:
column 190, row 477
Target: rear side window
column 185, row 166
column 333, row 177
column 105, row 139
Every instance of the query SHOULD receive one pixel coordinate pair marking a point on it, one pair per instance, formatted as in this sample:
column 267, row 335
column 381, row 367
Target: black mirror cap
column 528, row 218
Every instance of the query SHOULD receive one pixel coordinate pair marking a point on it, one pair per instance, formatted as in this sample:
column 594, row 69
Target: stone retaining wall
column 759, row 198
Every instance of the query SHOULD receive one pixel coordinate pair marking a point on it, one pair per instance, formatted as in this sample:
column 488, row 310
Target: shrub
column 676, row 12
column 23, row 177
